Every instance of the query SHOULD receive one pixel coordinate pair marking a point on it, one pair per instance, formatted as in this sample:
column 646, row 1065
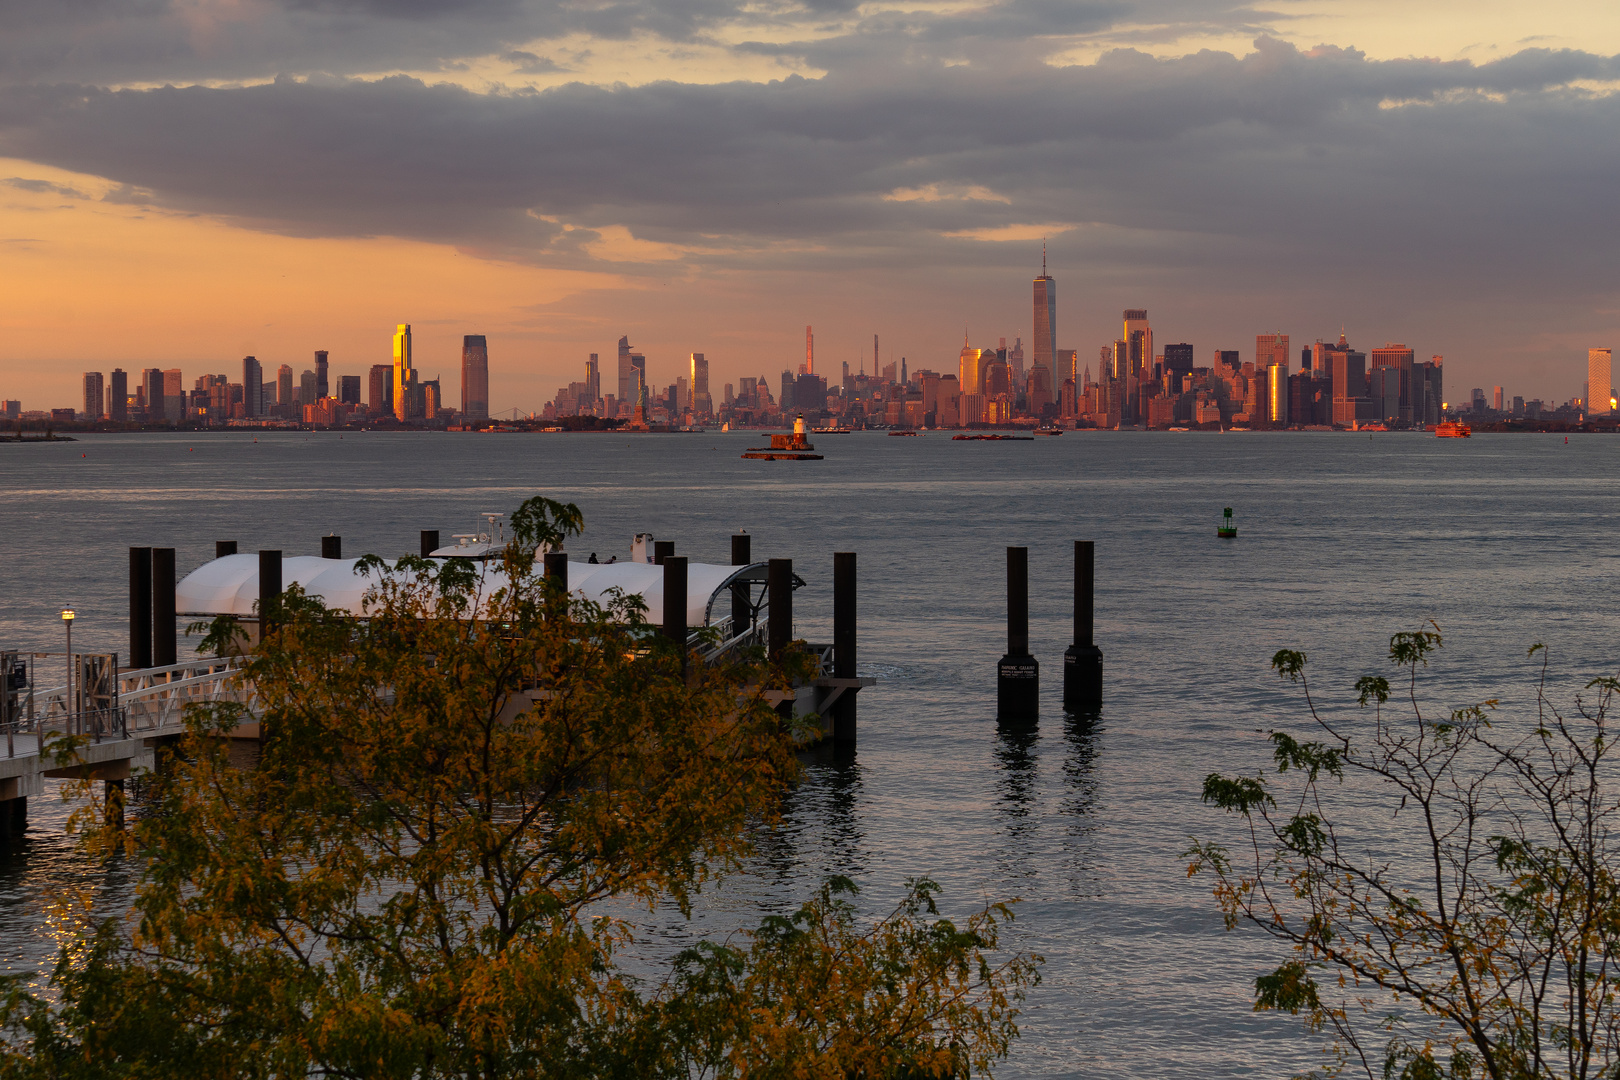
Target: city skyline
column 283, row 180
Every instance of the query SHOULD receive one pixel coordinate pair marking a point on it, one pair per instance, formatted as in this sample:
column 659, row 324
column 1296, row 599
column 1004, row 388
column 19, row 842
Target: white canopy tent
column 230, row 585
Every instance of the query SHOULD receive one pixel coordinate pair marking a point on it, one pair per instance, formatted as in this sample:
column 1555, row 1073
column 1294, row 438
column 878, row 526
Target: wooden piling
column 430, row 542
column 1018, row 696
column 779, row 591
column 165, row 644
column 223, row 548
column 662, row 549
column 844, row 644
column 742, row 554
column 331, row 547
column 269, row 588
column 140, row 607
column 1082, row 663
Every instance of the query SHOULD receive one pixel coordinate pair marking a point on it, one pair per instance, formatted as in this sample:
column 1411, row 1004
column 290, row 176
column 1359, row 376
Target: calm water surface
column 1503, row 540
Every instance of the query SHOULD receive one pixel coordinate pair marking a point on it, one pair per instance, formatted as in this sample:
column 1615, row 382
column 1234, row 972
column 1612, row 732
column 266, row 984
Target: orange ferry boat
column 1452, row 430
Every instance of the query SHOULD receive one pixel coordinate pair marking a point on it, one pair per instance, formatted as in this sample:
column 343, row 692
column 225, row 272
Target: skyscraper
column 810, row 352
column 93, row 393
column 118, row 395
column 152, row 394
column 702, row 403
column 1401, row 358
column 349, row 389
column 252, row 376
column 474, row 378
column 406, row 406
column 1138, row 340
column 1270, row 349
column 629, row 364
column 1178, row 363
column 380, row 400
column 174, row 396
column 1045, row 317
column 970, row 368
column 322, row 385
column 1599, row 382
column 593, row 380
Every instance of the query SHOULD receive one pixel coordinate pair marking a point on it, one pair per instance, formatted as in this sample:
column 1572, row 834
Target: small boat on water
column 913, row 434
column 992, row 438
column 1048, row 431
column 1453, row 430
column 829, row 431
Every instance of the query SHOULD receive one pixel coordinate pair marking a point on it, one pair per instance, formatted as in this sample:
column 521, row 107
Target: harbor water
column 1502, row 540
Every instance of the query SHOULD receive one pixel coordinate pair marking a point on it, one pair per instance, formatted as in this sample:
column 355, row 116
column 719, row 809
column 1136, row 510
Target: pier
column 117, row 716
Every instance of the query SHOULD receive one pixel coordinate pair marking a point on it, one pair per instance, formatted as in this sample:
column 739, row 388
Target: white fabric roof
column 230, row 585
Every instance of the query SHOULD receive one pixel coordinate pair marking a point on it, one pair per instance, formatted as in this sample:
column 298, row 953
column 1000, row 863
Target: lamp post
column 67, row 694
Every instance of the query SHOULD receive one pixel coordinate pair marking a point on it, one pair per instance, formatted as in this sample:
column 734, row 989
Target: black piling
column 223, row 548
column 844, row 644
column 165, row 642
column 742, row 553
column 113, row 804
column 662, row 549
column 13, row 818
column 1018, row 680
column 269, row 588
column 555, row 564
column 430, row 542
column 779, row 593
column 331, row 547
column 675, row 602
column 1082, row 663
column 140, row 607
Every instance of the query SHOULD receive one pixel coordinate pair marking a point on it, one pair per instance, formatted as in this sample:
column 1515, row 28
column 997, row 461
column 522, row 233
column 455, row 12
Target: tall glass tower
column 405, row 398
column 1045, row 317
column 474, row 377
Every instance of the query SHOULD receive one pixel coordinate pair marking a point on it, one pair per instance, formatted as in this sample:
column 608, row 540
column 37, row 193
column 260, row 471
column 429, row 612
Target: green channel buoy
column 1226, row 530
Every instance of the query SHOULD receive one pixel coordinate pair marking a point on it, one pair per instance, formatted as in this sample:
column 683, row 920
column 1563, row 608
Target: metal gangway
column 103, row 704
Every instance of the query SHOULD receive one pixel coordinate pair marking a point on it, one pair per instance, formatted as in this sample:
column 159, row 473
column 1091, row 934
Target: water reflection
column 821, row 829
column 1082, row 738
column 1016, row 757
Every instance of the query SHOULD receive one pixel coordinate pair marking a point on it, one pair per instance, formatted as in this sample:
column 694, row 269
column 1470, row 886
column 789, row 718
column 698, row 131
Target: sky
column 185, row 182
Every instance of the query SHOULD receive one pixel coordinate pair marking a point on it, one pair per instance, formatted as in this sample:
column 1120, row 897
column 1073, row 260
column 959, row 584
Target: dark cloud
column 25, row 184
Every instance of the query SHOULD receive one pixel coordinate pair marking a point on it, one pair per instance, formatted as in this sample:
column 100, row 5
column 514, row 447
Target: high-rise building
column 307, row 393
column 1496, row 398
column 1277, row 386
column 702, row 403
column 1045, row 317
column 349, row 389
column 970, row 367
column 252, row 376
column 475, row 377
column 1178, row 364
column 118, row 395
column 593, row 380
column 323, row 386
column 407, row 401
column 284, row 385
column 174, row 395
column 93, row 393
column 1599, row 382
column 1138, row 341
column 151, row 390
column 810, row 353
column 629, row 364
column 1270, row 349
column 1068, row 366
column 1400, row 358
column 380, row 398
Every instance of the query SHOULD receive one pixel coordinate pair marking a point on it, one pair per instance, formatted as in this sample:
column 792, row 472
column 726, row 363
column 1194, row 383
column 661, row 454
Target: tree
column 1447, row 883
column 459, row 803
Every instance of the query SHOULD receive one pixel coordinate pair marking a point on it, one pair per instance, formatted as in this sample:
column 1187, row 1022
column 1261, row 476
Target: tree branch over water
column 1446, row 883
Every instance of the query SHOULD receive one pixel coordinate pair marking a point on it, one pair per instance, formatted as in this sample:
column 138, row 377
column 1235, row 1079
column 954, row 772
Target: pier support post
column 779, row 589
column 140, row 607
column 269, row 589
column 430, row 542
column 331, row 547
column 165, row 646
column 555, row 564
column 223, row 548
column 741, row 555
column 13, row 818
column 844, row 644
column 675, row 603
column 662, row 549
column 1018, row 686
column 1082, row 663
